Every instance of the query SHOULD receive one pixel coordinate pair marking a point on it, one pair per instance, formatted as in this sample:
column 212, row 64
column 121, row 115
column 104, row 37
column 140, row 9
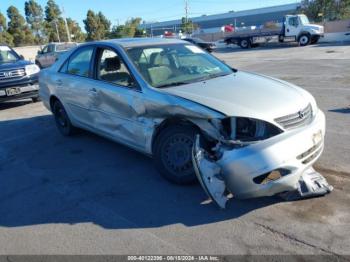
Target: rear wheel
column 304, row 40
column 244, row 43
column 173, row 154
column 62, row 120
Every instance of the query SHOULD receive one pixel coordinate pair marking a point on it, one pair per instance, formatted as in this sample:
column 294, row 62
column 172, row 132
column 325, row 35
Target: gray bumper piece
column 311, row 184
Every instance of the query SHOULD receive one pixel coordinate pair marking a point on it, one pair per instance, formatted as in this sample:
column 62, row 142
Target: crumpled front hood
column 247, row 95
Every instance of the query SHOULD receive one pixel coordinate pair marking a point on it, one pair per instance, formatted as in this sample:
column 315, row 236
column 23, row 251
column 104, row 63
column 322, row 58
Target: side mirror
column 40, row 52
column 21, row 56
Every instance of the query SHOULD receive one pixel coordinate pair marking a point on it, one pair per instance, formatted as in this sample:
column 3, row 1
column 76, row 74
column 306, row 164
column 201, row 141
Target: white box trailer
column 296, row 28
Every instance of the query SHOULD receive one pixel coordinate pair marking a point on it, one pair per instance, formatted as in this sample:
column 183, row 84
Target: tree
column 2, row 22
column 320, row 10
column 105, row 24
column 35, row 18
column 97, row 26
column 129, row 29
column 17, row 28
column 75, row 31
column 54, row 22
column 92, row 26
column 5, row 37
column 52, row 11
column 187, row 26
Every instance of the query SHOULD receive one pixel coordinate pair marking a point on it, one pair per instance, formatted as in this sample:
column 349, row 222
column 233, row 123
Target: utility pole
column 58, row 34
column 67, row 29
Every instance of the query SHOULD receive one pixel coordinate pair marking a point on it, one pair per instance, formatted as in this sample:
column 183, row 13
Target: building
column 213, row 23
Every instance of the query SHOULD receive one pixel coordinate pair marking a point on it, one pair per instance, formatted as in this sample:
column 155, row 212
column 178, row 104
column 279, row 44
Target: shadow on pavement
column 345, row 110
column 8, row 105
column 46, row 178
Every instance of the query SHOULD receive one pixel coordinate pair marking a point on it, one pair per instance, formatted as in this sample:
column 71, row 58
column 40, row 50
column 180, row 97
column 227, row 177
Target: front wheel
column 173, row 154
column 304, row 40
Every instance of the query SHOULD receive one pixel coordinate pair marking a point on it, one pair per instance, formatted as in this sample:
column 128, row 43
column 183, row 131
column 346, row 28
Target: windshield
column 7, row 55
column 176, row 64
column 304, row 20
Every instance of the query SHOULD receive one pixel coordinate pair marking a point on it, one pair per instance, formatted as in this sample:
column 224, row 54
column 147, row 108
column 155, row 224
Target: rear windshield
column 7, row 55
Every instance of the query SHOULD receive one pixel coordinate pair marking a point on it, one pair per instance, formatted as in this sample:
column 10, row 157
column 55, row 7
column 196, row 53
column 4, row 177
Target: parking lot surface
column 87, row 195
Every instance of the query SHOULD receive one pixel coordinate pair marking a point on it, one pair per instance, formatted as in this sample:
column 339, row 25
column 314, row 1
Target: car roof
column 145, row 41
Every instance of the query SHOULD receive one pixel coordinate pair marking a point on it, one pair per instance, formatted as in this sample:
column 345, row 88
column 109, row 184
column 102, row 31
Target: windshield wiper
column 207, row 77
column 173, row 84
column 210, row 76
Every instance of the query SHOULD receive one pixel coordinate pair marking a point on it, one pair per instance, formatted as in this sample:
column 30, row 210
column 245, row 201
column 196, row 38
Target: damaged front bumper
column 280, row 164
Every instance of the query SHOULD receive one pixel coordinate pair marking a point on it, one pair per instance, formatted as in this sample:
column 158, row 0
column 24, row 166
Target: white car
column 238, row 132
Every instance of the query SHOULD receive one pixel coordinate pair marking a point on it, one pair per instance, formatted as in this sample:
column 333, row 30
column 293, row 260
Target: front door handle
column 93, row 90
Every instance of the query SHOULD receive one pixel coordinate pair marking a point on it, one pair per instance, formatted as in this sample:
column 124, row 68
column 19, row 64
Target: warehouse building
column 213, row 23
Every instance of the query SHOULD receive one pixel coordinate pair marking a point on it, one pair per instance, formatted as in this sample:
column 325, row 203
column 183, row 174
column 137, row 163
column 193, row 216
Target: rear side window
column 79, row 62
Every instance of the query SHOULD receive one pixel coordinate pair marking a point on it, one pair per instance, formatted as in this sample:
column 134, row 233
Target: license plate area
column 13, row 91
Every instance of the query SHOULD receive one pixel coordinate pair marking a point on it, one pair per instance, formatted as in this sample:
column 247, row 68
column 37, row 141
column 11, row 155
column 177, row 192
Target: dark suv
column 18, row 77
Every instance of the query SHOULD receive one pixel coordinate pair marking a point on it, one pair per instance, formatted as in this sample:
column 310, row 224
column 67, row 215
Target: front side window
column 176, row 64
column 50, row 49
column 293, row 21
column 79, row 62
column 44, row 51
column 111, row 68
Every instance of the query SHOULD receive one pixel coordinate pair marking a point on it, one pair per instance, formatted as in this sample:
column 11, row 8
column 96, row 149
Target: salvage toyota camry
column 239, row 133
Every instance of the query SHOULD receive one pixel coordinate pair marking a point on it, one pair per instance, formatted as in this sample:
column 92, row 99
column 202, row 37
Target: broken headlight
column 248, row 129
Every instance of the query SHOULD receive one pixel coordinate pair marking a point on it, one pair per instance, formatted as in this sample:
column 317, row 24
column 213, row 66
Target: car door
column 76, row 87
column 118, row 100
column 42, row 57
column 51, row 56
column 292, row 26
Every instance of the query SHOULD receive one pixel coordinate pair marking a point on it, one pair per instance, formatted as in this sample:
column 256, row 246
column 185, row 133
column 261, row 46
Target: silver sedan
column 237, row 132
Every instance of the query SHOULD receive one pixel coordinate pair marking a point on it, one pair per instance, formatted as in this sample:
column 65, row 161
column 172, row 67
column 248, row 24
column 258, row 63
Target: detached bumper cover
column 291, row 154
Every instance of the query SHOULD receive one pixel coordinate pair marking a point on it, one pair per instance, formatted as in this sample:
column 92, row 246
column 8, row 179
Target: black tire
column 62, row 120
column 173, row 154
column 304, row 39
column 314, row 40
column 36, row 99
column 245, row 43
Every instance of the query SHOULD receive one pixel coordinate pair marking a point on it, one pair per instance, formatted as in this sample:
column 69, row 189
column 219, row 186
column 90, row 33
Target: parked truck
column 50, row 53
column 295, row 28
